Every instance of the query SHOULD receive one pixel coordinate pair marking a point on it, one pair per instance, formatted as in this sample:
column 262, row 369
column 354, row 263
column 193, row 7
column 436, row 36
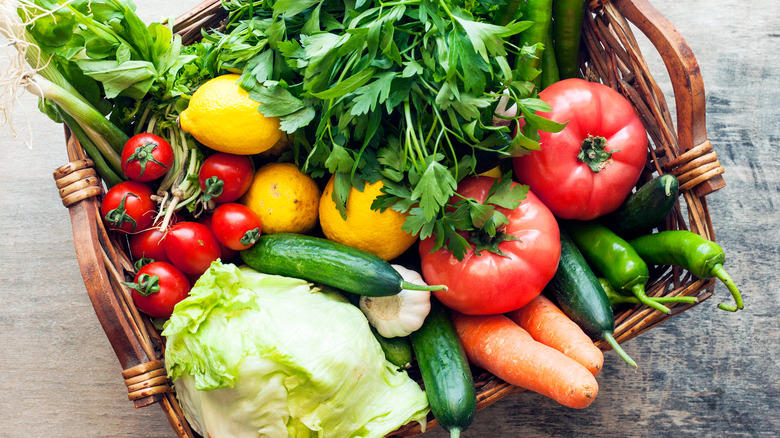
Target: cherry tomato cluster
column 170, row 261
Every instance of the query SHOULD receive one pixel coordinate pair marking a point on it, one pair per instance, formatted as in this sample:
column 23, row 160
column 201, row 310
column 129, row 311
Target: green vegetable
column 567, row 30
column 327, row 262
column 550, row 73
column 646, row 208
column 398, row 350
column 701, row 257
column 445, row 371
column 616, row 299
column 402, row 91
column 249, row 355
column 112, row 75
column 610, row 255
column 540, row 13
column 577, row 291
column 104, row 169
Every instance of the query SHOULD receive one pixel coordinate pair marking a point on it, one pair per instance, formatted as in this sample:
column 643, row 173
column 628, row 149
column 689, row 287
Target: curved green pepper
column 617, row 261
column 692, row 252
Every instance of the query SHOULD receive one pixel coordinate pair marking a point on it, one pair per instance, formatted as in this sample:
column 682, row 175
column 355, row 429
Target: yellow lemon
column 367, row 229
column 222, row 116
column 285, row 199
column 493, row 173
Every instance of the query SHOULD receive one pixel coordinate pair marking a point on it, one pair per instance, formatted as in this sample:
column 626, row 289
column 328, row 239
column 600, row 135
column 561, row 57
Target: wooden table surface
column 705, row 372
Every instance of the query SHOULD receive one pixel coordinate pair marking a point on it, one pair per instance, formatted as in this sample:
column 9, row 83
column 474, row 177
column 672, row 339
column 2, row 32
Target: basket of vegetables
column 369, row 218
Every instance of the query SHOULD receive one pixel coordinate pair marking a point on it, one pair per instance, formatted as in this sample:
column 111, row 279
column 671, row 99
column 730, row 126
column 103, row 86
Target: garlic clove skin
column 400, row 314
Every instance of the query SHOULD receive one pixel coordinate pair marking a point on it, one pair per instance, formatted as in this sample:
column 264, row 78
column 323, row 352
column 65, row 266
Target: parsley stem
column 443, row 4
column 410, row 134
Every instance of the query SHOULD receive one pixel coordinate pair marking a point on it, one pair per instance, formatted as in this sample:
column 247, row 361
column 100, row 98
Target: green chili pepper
column 508, row 11
column 540, row 12
column 692, row 252
column 550, row 73
column 567, row 30
column 616, row 260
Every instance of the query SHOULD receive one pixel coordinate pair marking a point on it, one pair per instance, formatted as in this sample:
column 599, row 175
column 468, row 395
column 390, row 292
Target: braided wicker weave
column 610, row 54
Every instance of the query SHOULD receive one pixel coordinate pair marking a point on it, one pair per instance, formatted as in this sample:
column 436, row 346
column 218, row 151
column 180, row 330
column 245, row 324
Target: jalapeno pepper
column 692, row 252
column 616, row 260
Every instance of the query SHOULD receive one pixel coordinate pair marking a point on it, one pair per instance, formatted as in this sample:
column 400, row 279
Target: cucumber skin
column 445, row 370
column 398, row 351
column 323, row 261
column 646, row 208
column 578, row 293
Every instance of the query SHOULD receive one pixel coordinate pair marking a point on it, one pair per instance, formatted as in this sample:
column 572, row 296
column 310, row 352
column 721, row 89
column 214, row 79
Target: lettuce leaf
column 260, row 355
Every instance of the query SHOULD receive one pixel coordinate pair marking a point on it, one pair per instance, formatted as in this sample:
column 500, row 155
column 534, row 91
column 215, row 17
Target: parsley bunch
column 402, row 90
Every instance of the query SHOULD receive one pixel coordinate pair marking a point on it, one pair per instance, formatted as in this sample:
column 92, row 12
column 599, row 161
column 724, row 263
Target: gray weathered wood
column 703, row 373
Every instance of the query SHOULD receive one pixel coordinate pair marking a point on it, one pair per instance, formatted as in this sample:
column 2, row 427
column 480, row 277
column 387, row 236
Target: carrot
column 496, row 344
column 546, row 323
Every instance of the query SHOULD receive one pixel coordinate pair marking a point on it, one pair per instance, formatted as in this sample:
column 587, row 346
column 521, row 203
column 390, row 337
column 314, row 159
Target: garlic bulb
column 400, row 314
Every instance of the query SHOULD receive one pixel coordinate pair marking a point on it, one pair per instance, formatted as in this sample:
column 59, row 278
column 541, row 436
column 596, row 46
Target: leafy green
column 248, row 356
column 403, row 91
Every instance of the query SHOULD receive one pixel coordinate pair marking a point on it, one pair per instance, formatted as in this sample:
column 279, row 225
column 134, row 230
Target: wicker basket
column 610, row 55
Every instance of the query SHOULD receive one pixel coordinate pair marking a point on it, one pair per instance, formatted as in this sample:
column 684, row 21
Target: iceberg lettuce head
column 255, row 355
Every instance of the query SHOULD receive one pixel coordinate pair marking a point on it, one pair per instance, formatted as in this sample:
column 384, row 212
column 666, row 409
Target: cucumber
column 579, row 295
column 330, row 263
column 398, row 351
column 445, row 371
column 646, row 208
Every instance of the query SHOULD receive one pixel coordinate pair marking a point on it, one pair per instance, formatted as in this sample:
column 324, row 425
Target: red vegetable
column 128, row 207
column 225, row 177
column 227, row 254
column 587, row 169
column 191, row 247
column 235, row 226
column 158, row 287
column 146, row 157
column 487, row 282
column 148, row 244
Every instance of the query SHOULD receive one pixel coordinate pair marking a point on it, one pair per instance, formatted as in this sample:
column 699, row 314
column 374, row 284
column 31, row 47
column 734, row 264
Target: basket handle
column 686, row 79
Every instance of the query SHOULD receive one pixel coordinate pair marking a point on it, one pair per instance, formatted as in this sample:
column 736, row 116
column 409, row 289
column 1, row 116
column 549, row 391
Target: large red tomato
column 587, row 169
column 490, row 283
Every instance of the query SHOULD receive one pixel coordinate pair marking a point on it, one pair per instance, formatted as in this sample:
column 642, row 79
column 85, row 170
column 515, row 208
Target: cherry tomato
column 191, row 247
column 227, row 253
column 236, row 226
column 158, row 287
column 225, row 177
column 146, row 157
column 587, row 169
column 128, row 207
column 148, row 244
column 488, row 283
